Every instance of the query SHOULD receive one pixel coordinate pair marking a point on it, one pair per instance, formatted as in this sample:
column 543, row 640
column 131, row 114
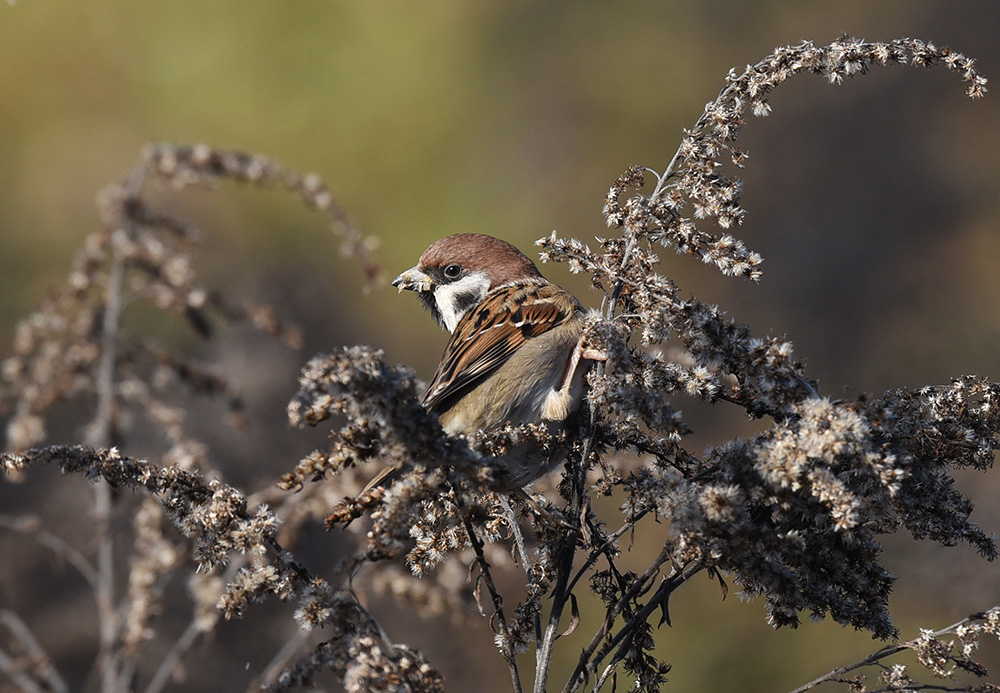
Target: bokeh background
column 876, row 205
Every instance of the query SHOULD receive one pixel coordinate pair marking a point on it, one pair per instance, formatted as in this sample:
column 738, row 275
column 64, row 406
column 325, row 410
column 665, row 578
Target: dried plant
column 793, row 514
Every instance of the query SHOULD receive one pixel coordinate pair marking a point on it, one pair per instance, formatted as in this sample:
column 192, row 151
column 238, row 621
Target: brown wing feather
column 487, row 336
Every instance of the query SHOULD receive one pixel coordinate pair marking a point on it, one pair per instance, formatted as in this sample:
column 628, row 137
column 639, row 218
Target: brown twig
column 890, row 650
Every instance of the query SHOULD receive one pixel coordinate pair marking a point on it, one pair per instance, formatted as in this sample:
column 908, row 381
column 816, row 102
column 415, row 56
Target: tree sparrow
column 514, row 356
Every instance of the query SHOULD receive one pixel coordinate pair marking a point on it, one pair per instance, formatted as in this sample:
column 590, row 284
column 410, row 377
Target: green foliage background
column 876, row 205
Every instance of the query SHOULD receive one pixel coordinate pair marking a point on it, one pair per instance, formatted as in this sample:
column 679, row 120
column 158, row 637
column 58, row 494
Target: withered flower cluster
column 75, row 347
column 793, row 514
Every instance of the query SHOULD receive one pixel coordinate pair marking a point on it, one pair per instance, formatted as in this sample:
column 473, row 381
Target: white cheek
column 455, row 299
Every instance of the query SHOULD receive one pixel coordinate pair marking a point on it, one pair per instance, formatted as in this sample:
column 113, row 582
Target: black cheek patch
column 465, row 300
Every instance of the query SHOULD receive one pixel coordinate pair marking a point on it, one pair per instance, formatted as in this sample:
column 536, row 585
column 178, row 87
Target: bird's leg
column 556, row 407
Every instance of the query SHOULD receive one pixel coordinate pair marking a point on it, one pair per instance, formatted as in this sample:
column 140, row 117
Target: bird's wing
column 490, row 333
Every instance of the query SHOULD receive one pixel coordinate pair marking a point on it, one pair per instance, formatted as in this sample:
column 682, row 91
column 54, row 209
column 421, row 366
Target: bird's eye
column 453, row 271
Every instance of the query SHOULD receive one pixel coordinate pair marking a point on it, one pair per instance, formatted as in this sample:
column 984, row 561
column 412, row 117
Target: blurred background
column 876, row 205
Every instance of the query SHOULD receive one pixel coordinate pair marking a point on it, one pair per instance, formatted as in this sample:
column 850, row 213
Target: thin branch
column 161, row 677
column 543, row 651
column 622, row 639
column 30, row 525
column 13, row 668
column 888, row 651
column 279, row 661
column 40, row 661
column 576, row 474
column 99, row 435
column 506, row 642
column 591, row 657
column 871, row 659
column 607, row 545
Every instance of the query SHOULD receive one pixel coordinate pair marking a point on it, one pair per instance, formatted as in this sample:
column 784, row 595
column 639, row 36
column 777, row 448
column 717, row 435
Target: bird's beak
column 413, row 280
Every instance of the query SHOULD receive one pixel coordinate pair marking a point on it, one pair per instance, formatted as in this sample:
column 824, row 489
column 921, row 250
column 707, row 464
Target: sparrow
column 515, row 353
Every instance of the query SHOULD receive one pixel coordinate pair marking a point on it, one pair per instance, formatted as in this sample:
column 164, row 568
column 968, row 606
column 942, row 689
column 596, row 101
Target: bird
column 515, row 355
